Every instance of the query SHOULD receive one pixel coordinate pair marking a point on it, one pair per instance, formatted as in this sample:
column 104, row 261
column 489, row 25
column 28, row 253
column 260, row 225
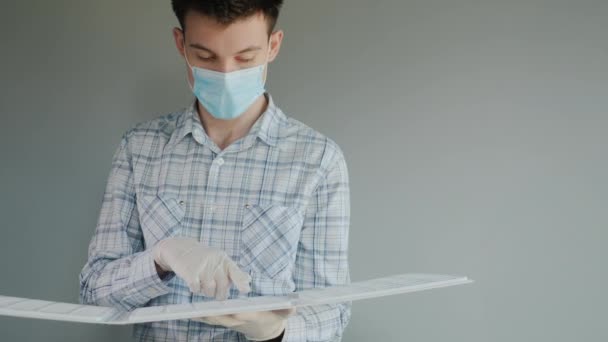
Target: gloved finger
column 225, row 320
column 285, row 312
column 193, row 283
column 208, row 320
column 257, row 316
column 208, row 285
column 222, row 284
column 240, row 279
column 265, row 316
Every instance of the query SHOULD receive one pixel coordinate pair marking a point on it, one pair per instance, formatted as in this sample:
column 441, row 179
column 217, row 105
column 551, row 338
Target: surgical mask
column 227, row 95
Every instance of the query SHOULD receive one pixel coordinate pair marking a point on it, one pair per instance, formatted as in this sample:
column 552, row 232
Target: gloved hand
column 207, row 270
column 256, row 326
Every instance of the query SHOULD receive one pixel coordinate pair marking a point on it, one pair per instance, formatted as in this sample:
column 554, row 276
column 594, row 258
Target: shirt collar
column 268, row 127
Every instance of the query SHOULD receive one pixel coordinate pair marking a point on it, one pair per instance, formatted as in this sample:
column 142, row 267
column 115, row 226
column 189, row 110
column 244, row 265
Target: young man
column 227, row 197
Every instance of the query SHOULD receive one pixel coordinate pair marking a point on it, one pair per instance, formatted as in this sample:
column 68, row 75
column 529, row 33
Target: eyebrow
column 201, row 47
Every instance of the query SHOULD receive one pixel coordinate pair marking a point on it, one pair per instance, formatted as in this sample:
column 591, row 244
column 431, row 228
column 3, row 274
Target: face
column 240, row 45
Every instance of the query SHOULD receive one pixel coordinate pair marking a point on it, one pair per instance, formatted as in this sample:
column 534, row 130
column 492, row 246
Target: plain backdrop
column 475, row 133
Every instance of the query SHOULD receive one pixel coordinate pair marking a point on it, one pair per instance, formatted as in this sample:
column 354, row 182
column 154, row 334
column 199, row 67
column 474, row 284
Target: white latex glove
column 256, row 326
column 206, row 270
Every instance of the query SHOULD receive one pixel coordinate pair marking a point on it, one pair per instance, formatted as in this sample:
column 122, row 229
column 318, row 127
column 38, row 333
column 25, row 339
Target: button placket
column 212, row 180
column 212, row 183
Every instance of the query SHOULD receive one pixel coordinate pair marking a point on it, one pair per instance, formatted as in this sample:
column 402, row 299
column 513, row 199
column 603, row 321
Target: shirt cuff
column 295, row 330
column 144, row 282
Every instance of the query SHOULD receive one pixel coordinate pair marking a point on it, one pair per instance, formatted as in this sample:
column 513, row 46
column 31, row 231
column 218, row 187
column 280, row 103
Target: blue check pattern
column 276, row 200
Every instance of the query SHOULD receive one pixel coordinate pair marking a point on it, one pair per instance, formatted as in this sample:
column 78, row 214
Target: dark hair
column 228, row 11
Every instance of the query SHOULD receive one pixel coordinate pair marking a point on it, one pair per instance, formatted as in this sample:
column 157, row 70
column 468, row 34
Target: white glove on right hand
column 206, row 270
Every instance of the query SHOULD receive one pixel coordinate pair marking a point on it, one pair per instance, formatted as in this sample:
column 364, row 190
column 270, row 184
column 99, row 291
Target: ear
column 275, row 44
column 178, row 36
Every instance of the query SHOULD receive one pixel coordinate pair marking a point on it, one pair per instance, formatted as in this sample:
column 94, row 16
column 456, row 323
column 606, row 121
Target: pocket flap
column 160, row 217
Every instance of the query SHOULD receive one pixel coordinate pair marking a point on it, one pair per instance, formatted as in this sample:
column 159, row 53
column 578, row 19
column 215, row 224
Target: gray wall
column 475, row 134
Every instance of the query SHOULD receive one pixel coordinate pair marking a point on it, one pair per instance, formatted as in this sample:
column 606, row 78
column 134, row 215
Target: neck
column 224, row 132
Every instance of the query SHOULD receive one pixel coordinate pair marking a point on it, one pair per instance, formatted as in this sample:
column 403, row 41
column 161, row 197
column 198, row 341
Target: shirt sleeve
column 119, row 272
column 322, row 256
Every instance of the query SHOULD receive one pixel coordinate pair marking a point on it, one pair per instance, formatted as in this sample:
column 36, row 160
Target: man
column 226, row 198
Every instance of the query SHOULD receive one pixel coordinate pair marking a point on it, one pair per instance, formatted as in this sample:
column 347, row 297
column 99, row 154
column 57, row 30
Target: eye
column 245, row 58
column 205, row 58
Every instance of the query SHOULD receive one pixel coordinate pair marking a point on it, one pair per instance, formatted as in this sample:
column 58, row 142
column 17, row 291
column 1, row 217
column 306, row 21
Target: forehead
column 226, row 38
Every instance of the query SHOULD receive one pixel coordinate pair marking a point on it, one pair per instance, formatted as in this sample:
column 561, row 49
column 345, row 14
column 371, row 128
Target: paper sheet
column 379, row 287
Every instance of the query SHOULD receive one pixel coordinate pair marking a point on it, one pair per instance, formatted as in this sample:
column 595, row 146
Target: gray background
column 474, row 131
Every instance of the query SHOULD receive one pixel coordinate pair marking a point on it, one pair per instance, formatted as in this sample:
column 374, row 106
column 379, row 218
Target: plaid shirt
column 276, row 201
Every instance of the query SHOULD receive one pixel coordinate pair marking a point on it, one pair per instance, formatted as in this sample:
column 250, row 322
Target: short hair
column 228, row 11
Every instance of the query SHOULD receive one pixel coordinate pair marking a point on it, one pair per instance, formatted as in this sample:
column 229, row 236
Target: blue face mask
column 227, row 95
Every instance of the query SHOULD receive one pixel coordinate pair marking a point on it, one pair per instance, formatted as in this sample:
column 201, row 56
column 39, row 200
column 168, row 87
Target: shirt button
column 181, row 202
column 220, row 161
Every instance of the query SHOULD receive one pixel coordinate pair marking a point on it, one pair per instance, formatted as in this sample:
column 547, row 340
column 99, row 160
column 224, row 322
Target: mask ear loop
column 189, row 66
column 266, row 64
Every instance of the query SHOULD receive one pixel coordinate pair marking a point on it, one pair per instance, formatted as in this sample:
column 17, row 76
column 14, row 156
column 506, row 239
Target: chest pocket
column 269, row 238
column 160, row 217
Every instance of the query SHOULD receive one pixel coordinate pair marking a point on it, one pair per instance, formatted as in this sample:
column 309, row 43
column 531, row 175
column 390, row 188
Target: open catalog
column 379, row 287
